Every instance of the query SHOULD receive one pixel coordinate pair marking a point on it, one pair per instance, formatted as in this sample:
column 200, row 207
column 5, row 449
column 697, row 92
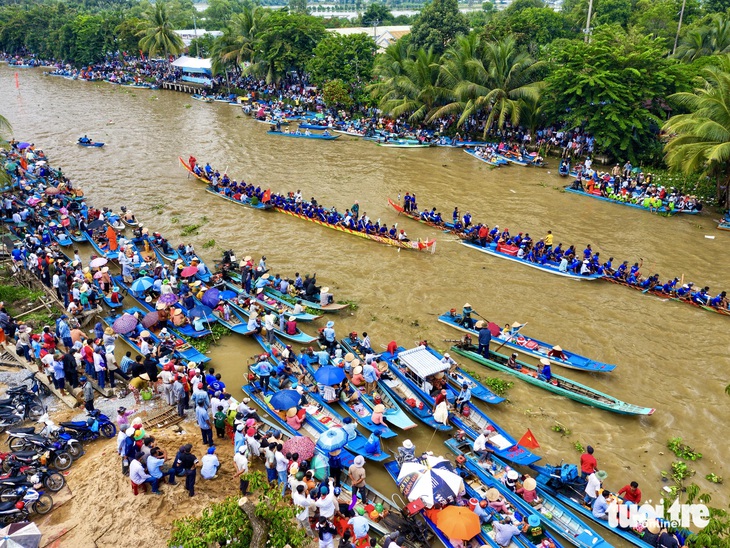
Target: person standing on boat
column 593, row 487
column 330, row 338
column 588, row 463
column 357, row 475
column 485, row 338
column 466, row 319
column 463, row 398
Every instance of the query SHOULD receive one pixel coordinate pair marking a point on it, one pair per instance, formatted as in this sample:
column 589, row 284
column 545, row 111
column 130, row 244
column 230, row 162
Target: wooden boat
column 457, row 378
column 183, row 349
column 564, row 169
column 200, row 178
column 290, row 300
column 62, row 237
column 516, row 160
column 171, row 255
column 563, row 483
column 403, row 144
column 551, row 267
column 724, row 225
column 597, row 195
column 393, row 413
column 273, row 305
column 201, row 98
column 244, row 201
column 130, row 223
column 187, row 261
column 109, row 254
column 319, row 127
column 107, row 300
column 304, row 135
column 235, row 322
column 350, row 133
column 429, row 245
column 300, row 337
column 91, row 144
column 662, row 295
column 363, row 418
column 529, row 346
column 493, row 161
column 446, row 227
column 559, row 385
column 550, row 512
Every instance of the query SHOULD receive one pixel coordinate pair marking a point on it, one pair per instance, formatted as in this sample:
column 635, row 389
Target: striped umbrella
column 432, row 480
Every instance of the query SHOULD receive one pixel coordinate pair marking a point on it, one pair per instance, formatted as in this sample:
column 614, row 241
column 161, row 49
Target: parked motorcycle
column 92, row 427
column 26, row 501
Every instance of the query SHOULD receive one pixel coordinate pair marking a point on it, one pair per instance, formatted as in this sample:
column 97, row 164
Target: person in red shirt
column 588, row 463
column 631, row 493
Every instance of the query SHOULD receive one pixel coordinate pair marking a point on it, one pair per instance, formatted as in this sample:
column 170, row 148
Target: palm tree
column 406, row 82
column 238, row 43
column 157, row 34
column 712, row 39
column 700, row 140
column 495, row 78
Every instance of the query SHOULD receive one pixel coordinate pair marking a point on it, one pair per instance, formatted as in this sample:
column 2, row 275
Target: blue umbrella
column 23, row 146
column 228, row 294
column 329, row 375
column 211, row 297
column 285, row 399
column 198, row 312
column 333, row 439
column 142, row 284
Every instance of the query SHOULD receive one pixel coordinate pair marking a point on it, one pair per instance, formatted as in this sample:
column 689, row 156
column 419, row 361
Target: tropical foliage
column 157, row 34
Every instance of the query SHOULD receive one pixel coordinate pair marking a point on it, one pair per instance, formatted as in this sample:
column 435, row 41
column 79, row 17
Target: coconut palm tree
column 712, row 39
column 238, row 43
column 700, row 139
column 492, row 78
column 158, row 36
column 407, row 82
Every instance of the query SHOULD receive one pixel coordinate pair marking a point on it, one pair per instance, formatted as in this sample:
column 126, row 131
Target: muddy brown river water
column 669, row 356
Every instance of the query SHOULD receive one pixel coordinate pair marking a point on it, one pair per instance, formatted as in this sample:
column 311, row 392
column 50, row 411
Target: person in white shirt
column 282, row 464
column 593, row 486
column 140, row 477
column 240, row 460
column 480, row 447
column 168, row 378
column 254, row 445
column 326, row 501
column 303, row 503
column 210, row 465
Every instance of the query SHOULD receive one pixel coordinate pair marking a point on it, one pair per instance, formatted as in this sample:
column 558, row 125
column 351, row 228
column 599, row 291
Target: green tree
column 531, row 27
column 614, row 87
column 716, row 6
column 158, row 36
column 710, row 39
column 700, row 139
column 349, row 58
column 239, row 41
column 286, row 44
column 218, row 14
column 407, row 82
column 298, row 6
column 126, row 35
column 376, row 12
column 438, row 24
column 336, row 93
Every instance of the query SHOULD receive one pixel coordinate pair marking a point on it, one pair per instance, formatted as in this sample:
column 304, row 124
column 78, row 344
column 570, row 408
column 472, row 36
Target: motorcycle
column 50, row 453
column 91, row 428
column 27, row 500
column 23, row 439
column 35, row 476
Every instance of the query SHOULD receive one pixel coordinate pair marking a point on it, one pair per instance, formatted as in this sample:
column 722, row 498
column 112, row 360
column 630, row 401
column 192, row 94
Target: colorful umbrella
column 299, row 444
column 285, row 399
column 320, row 467
column 333, row 439
column 150, row 319
column 167, row 298
column 20, row 535
column 142, row 284
column 228, row 294
column 189, row 271
column 23, row 145
column 458, row 522
column 124, row 324
column 211, row 298
column 99, row 261
column 98, row 275
column 329, row 375
column 51, row 190
column 432, row 480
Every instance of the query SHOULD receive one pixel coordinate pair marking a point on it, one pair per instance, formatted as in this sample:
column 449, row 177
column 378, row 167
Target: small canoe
column 597, row 195
column 201, row 98
column 559, row 385
column 724, row 225
column 299, row 337
column 288, row 299
column 235, row 322
column 106, row 253
column 516, row 160
column 129, row 222
column 200, row 178
column 91, row 144
column 244, row 201
column 62, row 237
column 399, row 144
column 276, row 306
column 107, row 300
column 551, row 512
column 493, row 161
column 350, row 133
column 550, row 267
column 529, row 346
column 305, row 136
column 314, row 126
column 170, row 254
column 187, row 261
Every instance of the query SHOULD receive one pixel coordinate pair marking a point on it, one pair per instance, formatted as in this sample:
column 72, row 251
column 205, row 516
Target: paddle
column 511, row 336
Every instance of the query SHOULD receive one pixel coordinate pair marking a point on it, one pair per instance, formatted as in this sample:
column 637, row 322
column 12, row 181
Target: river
column 669, row 356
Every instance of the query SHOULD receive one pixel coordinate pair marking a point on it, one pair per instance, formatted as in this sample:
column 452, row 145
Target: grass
column 18, row 299
column 209, row 244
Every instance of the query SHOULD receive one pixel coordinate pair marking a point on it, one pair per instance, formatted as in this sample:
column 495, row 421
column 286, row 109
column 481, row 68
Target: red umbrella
column 189, row 271
column 299, row 444
column 150, row 319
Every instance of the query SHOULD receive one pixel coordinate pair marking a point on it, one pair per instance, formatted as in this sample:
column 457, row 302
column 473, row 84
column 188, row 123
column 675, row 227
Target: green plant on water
column 188, row 106
column 578, row 446
column 175, row 220
column 219, row 331
column 209, row 244
column 189, row 230
column 560, row 429
column 682, row 450
column 351, row 305
column 680, row 472
column 713, row 478
column 495, row 384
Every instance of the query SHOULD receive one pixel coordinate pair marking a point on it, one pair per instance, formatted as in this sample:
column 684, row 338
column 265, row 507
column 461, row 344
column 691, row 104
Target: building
column 197, row 71
column 189, row 35
column 383, row 36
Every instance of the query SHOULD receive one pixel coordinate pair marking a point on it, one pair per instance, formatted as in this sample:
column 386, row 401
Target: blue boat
column 187, row 261
column 109, row 254
column 298, row 337
column 168, row 253
column 564, row 483
column 245, row 201
column 235, row 322
column 493, row 160
column 518, row 161
column 304, row 136
column 564, row 169
column 529, row 346
column 61, row 236
column 91, row 144
column 457, row 377
column 271, row 304
column 662, row 209
column 315, row 305
column 550, row 266
column 201, row 98
column 307, row 125
column 551, row 512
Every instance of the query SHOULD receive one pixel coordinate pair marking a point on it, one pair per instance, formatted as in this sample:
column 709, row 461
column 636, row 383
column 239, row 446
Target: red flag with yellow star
column 528, row 440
